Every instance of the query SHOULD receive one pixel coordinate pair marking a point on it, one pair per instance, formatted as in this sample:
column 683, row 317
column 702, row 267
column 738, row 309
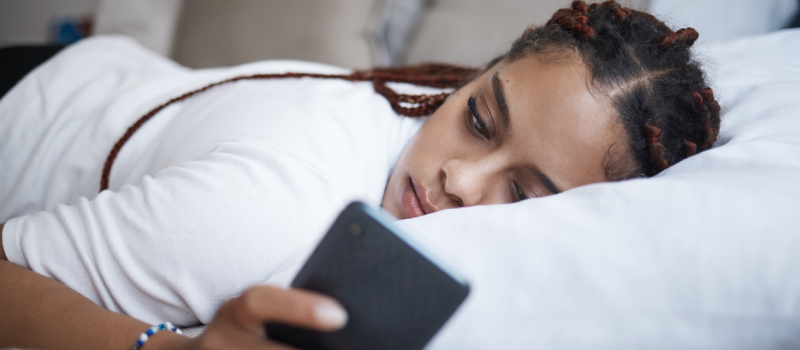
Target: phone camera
column 356, row 228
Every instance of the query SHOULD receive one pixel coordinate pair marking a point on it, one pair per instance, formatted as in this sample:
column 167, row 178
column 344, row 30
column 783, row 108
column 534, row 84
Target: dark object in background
column 397, row 294
column 17, row 61
column 796, row 21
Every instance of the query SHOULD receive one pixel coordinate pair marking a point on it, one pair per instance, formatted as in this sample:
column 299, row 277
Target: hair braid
column 431, row 75
column 709, row 107
column 659, row 91
column 622, row 13
column 657, row 150
column 574, row 20
column 685, row 37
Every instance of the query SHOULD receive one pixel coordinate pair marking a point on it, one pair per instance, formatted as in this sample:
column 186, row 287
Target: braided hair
column 658, row 90
column 431, row 75
column 646, row 69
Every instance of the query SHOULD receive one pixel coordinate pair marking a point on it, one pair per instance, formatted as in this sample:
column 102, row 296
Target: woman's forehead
column 556, row 120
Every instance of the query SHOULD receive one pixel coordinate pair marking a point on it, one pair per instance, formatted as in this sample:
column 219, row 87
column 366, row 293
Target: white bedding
column 704, row 256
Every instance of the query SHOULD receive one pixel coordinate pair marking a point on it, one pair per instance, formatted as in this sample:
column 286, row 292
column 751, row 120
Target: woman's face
column 520, row 130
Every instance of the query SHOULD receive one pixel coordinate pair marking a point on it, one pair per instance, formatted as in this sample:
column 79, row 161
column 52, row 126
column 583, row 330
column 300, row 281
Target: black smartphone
column 397, row 293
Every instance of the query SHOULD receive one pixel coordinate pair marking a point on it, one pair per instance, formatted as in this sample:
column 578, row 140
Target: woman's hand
column 239, row 323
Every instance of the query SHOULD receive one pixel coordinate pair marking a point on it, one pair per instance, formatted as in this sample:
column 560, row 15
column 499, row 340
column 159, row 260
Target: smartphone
column 397, row 292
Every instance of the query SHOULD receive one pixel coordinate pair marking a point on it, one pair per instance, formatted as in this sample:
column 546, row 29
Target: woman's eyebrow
column 500, row 96
column 544, row 179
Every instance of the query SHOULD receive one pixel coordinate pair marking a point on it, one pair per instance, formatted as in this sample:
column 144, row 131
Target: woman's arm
column 173, row 246
column 41, row 313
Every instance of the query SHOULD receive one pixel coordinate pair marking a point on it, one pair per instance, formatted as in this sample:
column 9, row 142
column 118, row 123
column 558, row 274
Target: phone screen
column 398, row 293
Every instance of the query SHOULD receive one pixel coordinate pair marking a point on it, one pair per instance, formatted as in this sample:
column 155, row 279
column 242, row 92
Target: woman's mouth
column 410, row 201
column 415, row 200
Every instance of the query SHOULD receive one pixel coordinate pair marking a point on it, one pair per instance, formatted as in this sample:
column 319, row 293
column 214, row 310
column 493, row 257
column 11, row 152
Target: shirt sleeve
column 178, row 244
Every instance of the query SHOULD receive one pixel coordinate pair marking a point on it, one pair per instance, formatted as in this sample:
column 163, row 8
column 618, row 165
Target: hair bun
column 580, row 6
column 688, row 36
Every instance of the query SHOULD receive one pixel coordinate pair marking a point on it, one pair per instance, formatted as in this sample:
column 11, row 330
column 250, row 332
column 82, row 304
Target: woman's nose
column 466, row 181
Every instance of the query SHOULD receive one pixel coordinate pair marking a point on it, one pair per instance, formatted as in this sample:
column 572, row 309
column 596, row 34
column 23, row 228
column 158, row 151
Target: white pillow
column 706, row 255
column 720, row 20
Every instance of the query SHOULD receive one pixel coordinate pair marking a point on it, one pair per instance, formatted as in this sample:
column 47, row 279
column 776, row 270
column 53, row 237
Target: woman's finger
column 289, row 306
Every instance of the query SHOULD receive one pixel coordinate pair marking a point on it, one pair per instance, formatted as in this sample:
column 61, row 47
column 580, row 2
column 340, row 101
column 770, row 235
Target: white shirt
column 211, row 196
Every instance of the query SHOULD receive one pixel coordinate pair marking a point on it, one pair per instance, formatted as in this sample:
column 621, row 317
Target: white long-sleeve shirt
column 211, row 196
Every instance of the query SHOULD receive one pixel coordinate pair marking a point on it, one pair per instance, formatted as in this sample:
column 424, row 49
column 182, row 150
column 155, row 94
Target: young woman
column 599, row 93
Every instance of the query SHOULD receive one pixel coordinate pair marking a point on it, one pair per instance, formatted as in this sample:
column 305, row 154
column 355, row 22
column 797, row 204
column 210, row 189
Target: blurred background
column 347, row 33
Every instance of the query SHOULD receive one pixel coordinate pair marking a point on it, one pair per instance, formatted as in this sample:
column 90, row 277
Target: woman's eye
column 475, row 122
column 519, row 195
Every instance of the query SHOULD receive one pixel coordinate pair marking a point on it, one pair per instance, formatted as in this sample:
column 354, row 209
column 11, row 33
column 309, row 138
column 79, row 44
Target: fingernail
column 330, row 314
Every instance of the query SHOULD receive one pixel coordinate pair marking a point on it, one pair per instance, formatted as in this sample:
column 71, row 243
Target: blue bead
column 153, row 330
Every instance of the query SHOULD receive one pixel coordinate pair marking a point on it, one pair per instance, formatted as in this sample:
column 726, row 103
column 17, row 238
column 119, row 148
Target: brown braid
column 709, row 107
column 574, row 20
column 657, row 150
column 622, row 13
column 431, row 75
column 685, row 36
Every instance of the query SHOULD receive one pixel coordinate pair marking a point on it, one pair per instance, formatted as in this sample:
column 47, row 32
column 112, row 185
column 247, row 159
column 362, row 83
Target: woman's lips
column 410, row 202
column 414, row 201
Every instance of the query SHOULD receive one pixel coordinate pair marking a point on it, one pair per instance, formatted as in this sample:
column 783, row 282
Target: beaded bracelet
column 166, row 326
